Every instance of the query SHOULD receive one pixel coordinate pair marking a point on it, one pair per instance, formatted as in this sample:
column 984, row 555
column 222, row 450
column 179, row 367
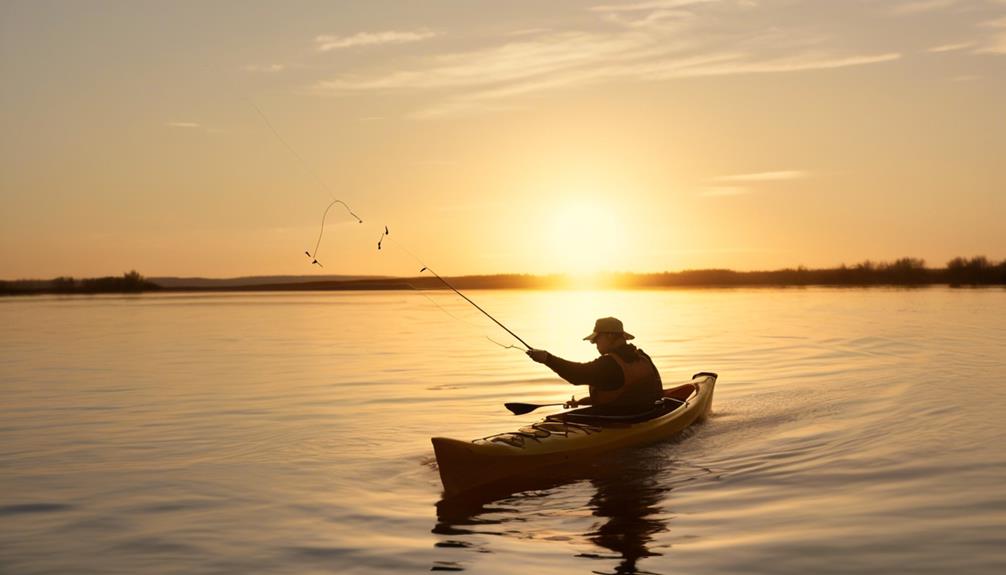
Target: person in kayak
column 622, row 381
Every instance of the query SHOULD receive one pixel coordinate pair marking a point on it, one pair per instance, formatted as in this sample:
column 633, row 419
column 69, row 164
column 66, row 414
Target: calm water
column 854, row 431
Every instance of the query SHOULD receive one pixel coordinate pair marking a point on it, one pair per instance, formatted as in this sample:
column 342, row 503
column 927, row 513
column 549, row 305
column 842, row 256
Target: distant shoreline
column 906, row 272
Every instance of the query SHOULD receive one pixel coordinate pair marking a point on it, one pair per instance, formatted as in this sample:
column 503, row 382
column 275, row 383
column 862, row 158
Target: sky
column 207, row 138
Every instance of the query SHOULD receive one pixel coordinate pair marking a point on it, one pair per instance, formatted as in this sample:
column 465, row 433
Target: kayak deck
column 568, row 437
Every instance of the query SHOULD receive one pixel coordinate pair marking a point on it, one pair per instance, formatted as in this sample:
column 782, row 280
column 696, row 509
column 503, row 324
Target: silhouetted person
column 622, row 381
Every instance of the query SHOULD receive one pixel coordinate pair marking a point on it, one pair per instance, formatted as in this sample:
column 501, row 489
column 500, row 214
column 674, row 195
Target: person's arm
column 601, row 373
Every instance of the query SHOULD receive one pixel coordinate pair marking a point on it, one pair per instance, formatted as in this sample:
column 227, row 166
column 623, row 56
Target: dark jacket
column 605, row 374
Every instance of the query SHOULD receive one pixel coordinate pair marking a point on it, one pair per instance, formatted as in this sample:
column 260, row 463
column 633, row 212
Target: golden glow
column 585, row 237
column 488, row 146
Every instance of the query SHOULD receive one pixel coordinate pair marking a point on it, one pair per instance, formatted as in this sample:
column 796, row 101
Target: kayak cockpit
column 672, row 399
column 587, row 421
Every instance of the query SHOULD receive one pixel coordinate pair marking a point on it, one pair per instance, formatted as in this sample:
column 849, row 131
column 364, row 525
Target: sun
column 585, row 237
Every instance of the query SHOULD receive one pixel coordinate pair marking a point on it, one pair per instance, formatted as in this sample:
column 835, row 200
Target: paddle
column 522, row 408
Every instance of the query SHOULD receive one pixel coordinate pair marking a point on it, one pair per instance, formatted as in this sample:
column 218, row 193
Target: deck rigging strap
column 541, row 430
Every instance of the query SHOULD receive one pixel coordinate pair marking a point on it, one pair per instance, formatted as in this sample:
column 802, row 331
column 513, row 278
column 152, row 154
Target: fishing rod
column 386, row 235
column 455, row 290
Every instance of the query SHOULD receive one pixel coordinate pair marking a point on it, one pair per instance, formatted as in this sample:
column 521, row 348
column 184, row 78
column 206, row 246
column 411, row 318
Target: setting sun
column 584, row 237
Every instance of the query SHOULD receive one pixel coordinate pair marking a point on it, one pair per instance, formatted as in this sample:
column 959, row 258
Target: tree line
column 129, row 282
column 905, row 271
column 959, row 271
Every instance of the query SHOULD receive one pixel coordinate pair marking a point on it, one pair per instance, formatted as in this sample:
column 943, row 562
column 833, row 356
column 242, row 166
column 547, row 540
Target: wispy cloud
column 182, row 125
column 740, row 184
column 271, row 68
column 778, row 176
column 649, row 40
column 528, row 32
column 647, row 6
column 922, row 6
column 997, row 43
column 327, row 43
column 950, row 47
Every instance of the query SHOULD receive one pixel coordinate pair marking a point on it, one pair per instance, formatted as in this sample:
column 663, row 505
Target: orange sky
column 534, row 137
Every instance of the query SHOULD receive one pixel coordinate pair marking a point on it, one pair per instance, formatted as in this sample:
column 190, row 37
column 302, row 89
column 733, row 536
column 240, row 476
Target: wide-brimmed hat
column 608, row 325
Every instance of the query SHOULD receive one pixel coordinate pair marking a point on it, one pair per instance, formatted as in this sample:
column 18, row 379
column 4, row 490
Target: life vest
column 641, row 387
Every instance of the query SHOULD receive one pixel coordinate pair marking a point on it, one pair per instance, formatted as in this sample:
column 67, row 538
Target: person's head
column 608, row 335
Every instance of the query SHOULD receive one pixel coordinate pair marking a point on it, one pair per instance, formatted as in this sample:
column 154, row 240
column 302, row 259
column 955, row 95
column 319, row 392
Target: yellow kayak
column 568, row 437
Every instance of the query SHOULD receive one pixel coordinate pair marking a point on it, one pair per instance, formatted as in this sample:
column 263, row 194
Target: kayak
column 573, row 436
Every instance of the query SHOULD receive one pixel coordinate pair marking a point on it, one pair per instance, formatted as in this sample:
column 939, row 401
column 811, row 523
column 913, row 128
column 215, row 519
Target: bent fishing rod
column 455, row 290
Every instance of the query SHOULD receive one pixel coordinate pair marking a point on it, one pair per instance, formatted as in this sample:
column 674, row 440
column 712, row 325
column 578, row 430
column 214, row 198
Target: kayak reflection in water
column 632, row 503
column 623, row 381
column 628, row 512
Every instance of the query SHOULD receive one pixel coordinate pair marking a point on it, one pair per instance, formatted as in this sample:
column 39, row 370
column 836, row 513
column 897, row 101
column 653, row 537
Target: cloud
column 327, row 43
column 271, row 68
column 779, row 176
column 950, row 47
column 735, row 183
column 182, row 125
column 528, row 32
column 997, row 43
column 922, row 6
column 644, row 41
column 648, row 6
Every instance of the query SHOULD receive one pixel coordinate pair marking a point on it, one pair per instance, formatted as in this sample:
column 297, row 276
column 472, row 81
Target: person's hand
column 571, row 403
column 539, row 355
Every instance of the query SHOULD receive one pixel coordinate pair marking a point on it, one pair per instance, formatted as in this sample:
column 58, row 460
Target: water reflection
column 632, row 506
column 627, row 497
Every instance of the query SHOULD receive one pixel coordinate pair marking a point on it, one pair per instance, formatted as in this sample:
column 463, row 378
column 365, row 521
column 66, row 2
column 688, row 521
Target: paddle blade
column 521, row 408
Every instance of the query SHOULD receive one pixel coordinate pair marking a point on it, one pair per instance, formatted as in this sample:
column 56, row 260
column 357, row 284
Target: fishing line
column 380, row 241
column 314, row 173
column 455, row 290
column 511, row 346
column 303, row 163
column 387, row 234
column 448, row 312
column 322, row 231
